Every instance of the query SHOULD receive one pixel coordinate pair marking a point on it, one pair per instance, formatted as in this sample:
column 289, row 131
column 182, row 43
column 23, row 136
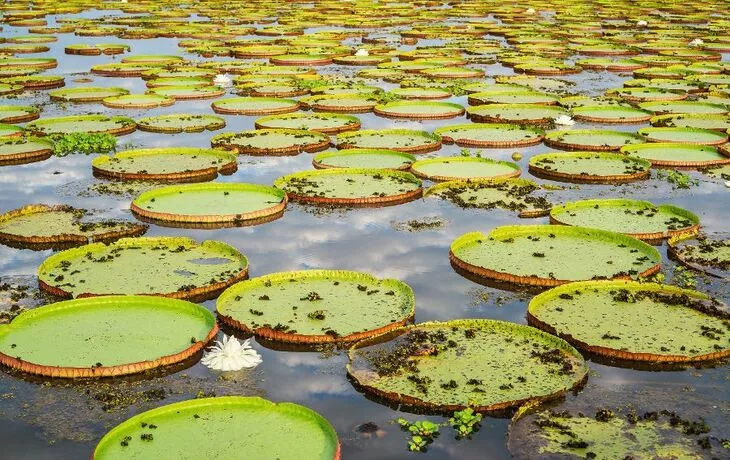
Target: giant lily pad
column 328, row 123
column 177, row 164
column 508, row 97
column 710, row 254
column 591, row 139
column 117, row 126
column 490, row 135
column 137, row 101
column 419, row 110
column 535, row 114
column 593, row 167
column 19, row 150
column 363, row 158
column 317, row 306
column 684, row 135
column 254, row 106
column 105, row 336
column 272, row 141
column 40, row 226
column 180, row 123
column 18, row 113
column 678, row 155
column 611, row 114
column 212, row 427
column 182, row 92
column 351, row 186
column 535, row 255
column 403, row 140
column 165, row 266
column 455, row 168
column 703, row 121
column 685, row 107
column 485, row 364
column 86, row 94
column 213, row 203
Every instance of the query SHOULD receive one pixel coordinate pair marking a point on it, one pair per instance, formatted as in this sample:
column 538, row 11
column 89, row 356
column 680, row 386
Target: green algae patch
column 684, row 135
column 456, row 168
column 591, row 139
column 363, row 158
column 86, row 94
column 707, row 253
column 91, row 124
column 533, row 114
column 329, row 123
column 105, row 336
column 520, row 195
column 678, row 154
column 180, row 123
column 167, row 164
column 317, row 306
column 211, row 203
column 589, row 167
column 272, row 141
column 637, row 218
column 484, row 364
column 535, row 255
column 40, row 226
column 351, row 186
column 403, row 140
column 166, row 266
column 19, row 150
column 634, row 321
column 490, row 135
column 214, row 427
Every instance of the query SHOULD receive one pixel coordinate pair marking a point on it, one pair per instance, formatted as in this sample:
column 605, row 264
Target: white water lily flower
column 564, row 120
column 642, row 23
column 727, row 183
column 222, row 80
column 362, row 52
column 231, row 355
column 697, row 42
column 530, row 11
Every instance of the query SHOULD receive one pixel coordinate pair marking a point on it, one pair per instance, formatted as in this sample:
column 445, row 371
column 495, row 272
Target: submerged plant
column 423, row 432
column 231, row 355
column 85, row 143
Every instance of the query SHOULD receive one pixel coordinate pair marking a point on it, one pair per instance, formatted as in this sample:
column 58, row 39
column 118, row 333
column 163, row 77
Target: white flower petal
column 231, row 355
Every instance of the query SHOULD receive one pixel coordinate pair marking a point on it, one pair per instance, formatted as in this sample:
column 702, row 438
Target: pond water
column 63, row 420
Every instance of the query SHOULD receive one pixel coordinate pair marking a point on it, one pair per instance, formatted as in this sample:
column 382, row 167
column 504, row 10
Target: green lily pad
column 181, row 123
column 96, row 49
column 688, row 107
column 329, row 123
column 342, row 103
column 254, row 106
column 115, row 125
column 684, row 135
column 515, row 113
column 19, row 150
column 646, row 94
column 611, row 114
column 535, row 255
column 105, row 336
column 173, row 164
column 490, row 135
column 403, row 140
column 421, row 93
column 18, row 113
column 637, row 218
column 272, row 141
column 137, row 101
column 707, row 253
column 634, row 321
column 165, row 266
column 188, row 92
column 516, row 97
column 456, row 168
column 591, row 139
column 363, row 158
column 681, row 155
column 212, row 427
column 484, row 364
column 351, row 186
column 212, row 203
column 317, row 306
column 86, row 94
column 700, row 121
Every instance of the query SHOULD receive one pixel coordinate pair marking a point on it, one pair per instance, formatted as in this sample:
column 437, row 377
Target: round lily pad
column 317, row 306
column 598, row 140
column 634, row 321
column 534, row 114
column 105, row 336
column 688, row 107
column 212, row 427
column 169, row 164
column 301, row 59
column 351, row 186
column 678, row 155
column 484, row 364
column 16, row 150
column 611, row 114
column 517, row 97
column 455, row 168
column 137, row 101
column 684, row 135
column 188, row 92
column 421, row 93
column 594, row 167
column 403, row 140
column 510, row 194
column 419, row 110
column 702, row 121
column 238, row 204
column 637, row 218
column 254, row 106
column 181, row 123
column 647, row 94
column 707, row 253
column 165, row 266
column 18, row 113
column 6, row 89
column 272, row 141
column 116, row 125
column 96, row 49
column 490, row 135
column 342, row 103
column 86, row 94
column 363, row 158
column 328, row 123
column 535, row 255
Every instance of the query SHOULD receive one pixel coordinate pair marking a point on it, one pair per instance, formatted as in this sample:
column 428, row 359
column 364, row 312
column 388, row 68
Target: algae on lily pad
column 678, row 155
column 535, row 255
column 403, row 140
column 115, row 125
column 490, row 135
column 591, row 139
column 317, row 306
column 20, row 150
column 272, row 141
column 531, row 114
column 456, row 168
column 364, row 158
column 180, row 123
column 485, row 364
column 707, row 253
column 419, row 110
column 105, row 336
column 166, row 266
column 328, row 123
column 215, row 427
column 684, row 135
column 589, row 167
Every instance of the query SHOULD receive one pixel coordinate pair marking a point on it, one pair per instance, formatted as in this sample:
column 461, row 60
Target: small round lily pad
column 490, row 135
column 678, row 155
column 272, row 141
column 105, row 336
column 317, row 306
column 637, row 218
column 254, row 106
column 363, row 158
column 535, row 255
column 165, row 266
column 403, row 140
column 455, row 168
column 599, row 140
column 590, row 167
column 181, row 123
column 328, row 123
column 634, row 321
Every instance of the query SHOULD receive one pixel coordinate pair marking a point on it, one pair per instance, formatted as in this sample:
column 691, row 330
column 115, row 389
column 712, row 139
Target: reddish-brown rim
column 26, row 157
column 282, row 151
column 419, row 116
column 648, row 236
column 423, row 148
column 588, row 178
column 628, row 120
column 254, row 216
column 339, row 129
column 199, row 175
column 242, row 111
column 360, row 202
